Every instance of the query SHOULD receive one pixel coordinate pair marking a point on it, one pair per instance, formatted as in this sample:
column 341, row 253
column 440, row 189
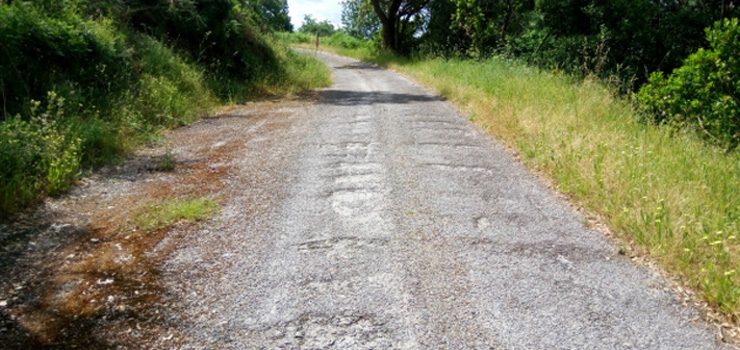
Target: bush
column 704, row 93
column 345, row 41
column 67, row 54
column 38, row 156
column 114, row 83
column 218, row 34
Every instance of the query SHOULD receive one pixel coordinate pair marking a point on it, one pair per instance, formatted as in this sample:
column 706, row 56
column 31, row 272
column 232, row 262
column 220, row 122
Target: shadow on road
column 358, row 98
column 359, row 65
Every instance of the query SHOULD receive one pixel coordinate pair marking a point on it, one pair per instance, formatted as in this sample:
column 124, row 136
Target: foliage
column 106, row 63
column 400, row 20
column 37, row 156
column 486, row 25
column 705, row 91
column 310, row 25
column 43, row 53
column 339, row 40
column 273, row 13
column 358, row 18
column 623, row 42
column 627, row 39
column 217, row 34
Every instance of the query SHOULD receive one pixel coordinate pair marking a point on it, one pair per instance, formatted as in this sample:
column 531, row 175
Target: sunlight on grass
column 172, row 211
column 668, row 192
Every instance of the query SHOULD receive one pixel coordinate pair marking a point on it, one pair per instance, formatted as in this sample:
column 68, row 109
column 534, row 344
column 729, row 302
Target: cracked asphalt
column 380, row 218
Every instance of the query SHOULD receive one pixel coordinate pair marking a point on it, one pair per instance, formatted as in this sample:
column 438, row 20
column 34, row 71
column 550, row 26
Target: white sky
column 320, row 9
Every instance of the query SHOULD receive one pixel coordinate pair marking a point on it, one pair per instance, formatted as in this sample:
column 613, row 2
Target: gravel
column 378, row 217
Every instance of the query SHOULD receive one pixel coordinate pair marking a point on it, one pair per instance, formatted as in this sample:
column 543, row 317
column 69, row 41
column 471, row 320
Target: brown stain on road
column 96, row 283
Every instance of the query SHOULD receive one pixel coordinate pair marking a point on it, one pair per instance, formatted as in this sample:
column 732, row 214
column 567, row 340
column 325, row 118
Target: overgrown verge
column 83, row 82
column 664, row 189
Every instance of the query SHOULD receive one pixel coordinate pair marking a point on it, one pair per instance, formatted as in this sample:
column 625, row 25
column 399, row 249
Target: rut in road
column 379, row 218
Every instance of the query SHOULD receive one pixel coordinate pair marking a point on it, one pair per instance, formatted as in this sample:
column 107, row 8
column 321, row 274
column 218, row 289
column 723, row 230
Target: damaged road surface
column 377, row 217
column 395, row 223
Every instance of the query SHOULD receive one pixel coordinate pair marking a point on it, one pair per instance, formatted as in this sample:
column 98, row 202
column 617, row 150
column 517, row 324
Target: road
column 379, row 217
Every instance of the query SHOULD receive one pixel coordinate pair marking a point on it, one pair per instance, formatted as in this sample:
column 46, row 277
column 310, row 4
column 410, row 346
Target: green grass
column 673, row 195
column 78, row 127
column 172, row 211
column 297, row 73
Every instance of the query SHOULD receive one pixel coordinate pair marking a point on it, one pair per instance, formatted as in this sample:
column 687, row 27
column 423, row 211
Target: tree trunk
column 389, row 21
column 390, row 40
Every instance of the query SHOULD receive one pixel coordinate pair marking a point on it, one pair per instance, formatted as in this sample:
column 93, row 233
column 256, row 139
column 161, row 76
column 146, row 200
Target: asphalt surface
column 379, row 218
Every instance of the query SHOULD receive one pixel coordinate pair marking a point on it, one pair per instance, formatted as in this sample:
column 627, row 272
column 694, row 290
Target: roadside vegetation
column 653, row 154
column 83, row 82
column 172, row 211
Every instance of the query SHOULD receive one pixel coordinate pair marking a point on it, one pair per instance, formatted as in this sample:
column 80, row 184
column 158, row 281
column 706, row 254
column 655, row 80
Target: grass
column 79, row 127
column 671, row 194
column 172, row 211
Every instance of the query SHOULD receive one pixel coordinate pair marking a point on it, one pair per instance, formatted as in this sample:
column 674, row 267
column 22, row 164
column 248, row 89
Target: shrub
column 37, row 156
column 41, row 53
column 345, row 41
column 115, row 84
column 704, row 93
column 218, row 34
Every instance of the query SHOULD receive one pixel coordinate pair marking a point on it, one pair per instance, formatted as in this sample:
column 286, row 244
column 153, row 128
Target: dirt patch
column 77, row 273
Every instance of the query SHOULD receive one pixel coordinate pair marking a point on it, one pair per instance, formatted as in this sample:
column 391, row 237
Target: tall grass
column 669, row 192
column 296, row 73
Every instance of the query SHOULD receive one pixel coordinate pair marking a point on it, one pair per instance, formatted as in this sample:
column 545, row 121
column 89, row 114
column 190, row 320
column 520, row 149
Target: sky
column 320, row 9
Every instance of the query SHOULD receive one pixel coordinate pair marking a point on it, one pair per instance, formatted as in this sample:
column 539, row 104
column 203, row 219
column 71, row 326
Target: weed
column 166, row 162
column 172, row 211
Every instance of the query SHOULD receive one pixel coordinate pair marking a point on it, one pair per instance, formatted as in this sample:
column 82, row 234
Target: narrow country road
column 380, row 218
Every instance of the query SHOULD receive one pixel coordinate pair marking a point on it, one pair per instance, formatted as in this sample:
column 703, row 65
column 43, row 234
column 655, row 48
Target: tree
column 395, row 17
column 359, row 19
column 274, row 14
column 631, row 38
column 310, row 25
column 487, row 24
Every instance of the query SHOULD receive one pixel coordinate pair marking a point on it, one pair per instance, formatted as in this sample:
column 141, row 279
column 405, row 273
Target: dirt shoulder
column 79, row 272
